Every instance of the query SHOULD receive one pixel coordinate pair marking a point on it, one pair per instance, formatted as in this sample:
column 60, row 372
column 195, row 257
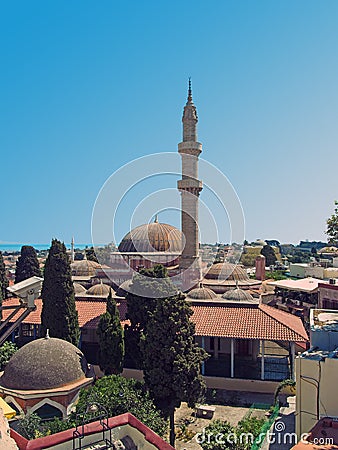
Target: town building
column 316, row 372
column 296, row 296
column 328, row 295
column 45, row 376
column 120, row 432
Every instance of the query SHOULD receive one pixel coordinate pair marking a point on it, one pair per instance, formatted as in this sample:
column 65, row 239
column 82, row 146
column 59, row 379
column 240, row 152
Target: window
column 47, row 411
column 27, row 330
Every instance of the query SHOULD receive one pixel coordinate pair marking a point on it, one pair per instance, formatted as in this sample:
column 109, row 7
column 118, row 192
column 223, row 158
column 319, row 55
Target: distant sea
column 17, row 247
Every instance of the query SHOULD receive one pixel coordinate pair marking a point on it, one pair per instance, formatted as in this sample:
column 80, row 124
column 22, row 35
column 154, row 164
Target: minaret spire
column 189, row 91
column 189, row 118
column 72, row 250
column 190, row 187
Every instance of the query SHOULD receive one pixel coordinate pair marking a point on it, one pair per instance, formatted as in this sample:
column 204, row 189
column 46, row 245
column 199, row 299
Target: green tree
column 119, row 395
column 30, row 426
column 332, row 226
column 172, row 360
column 7, row 350
column 269, row 254
column 3, row 277
column 111, row 340
column 59, row 313
column 220, row 429
column 27, row 265
column 223, row 436
column 140, row 304
column 90, row 254
column 3, row 282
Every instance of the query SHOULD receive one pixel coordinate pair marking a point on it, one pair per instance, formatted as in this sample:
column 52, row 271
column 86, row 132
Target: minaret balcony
column 189, row 183
column 190, row 148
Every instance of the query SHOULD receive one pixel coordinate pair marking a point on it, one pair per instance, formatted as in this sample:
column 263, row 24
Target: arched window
column 47, row 411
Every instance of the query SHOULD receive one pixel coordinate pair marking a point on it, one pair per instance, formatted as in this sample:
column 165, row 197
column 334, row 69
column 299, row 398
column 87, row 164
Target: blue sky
column 87, row 87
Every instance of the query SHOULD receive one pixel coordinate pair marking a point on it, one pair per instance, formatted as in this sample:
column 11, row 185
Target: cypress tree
column 27, row 265
column 111, row 341
column 1, row 300
column 139, row 304
column 269, row 254
column 91, row 255
column 3, row 279
column 172, row 360
column 59, row 313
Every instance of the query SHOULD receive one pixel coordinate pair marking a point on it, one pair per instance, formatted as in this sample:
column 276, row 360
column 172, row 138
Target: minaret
column 72, row 251
column 190, row 187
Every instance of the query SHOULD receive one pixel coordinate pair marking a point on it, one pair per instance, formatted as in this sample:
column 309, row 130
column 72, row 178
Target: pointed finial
column 189, row 90
column 156, row 218
column 47, row 334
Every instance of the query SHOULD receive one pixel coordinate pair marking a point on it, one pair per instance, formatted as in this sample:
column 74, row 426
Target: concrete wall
column 323, row 339
column 6, row 442
column 304, row 270
column 232, row 384
column 311, row 373
column 327, row 292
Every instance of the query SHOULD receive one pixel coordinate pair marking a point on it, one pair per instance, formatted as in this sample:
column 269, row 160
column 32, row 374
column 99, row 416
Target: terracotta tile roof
column 260, row 322
column 89, row 312
column 253, row 322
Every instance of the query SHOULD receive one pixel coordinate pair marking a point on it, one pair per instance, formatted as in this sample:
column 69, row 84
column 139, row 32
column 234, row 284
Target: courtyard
column 231, row 406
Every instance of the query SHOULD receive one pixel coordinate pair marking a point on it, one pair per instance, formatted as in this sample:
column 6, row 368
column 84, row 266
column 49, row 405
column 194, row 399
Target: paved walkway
column 282, row 431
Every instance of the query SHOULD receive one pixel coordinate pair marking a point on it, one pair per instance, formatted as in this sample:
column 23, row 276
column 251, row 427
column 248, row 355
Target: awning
column 9, row 412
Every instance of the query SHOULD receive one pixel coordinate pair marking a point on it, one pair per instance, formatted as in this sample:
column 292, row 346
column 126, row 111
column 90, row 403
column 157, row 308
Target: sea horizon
column 4, row 247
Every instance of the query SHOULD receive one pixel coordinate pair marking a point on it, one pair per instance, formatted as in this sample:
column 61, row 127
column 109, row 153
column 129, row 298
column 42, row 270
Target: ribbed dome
column 84, row 268
column 201, row 293
column 44, row 364
column 226, row 271
column 152, row 237
column 100, row 289
column 238, row 295
column 124, row 288
column 79, row 289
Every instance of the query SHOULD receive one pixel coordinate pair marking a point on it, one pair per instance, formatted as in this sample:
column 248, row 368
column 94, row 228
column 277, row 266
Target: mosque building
column 161, row 243
column 45, row 376
column 240, row 333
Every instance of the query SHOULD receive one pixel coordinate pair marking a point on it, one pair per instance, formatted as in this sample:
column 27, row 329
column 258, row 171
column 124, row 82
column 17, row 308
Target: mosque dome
column 226, row 271
column 84, row 268
column 124, row 288
column 259, row 242
column 152, row 237
column 201, row 293
column 238, row 295
column 44, row 364
column 100, row 289
column 79, row 289
column 331, row 249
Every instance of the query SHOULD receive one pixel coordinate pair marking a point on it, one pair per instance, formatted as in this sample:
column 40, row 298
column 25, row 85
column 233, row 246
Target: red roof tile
column 260, row 322
column 89, row 312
